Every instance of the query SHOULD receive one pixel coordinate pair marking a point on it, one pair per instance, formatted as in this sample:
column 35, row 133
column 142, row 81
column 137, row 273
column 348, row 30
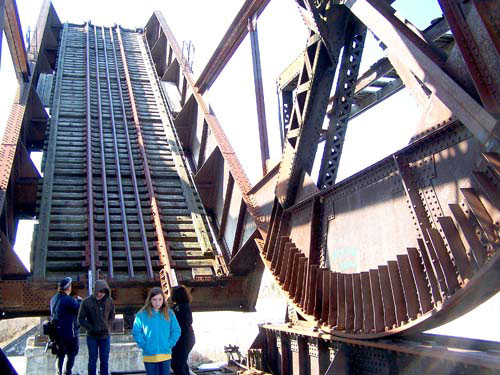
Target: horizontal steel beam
column 28, row 298
column 435, row 348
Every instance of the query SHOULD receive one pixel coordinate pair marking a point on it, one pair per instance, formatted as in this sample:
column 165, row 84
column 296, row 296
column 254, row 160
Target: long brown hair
column 180, row 294
column 149, row 309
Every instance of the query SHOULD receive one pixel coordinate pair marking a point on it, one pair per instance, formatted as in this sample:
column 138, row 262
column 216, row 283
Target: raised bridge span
column 141, row 186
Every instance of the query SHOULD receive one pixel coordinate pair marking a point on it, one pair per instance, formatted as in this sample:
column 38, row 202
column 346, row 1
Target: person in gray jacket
column 96, row 315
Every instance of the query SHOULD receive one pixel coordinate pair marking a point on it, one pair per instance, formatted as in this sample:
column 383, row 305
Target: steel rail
column 90, row 180
column 103, row 163
column 123, row 212
column 137, row 198
column 161, row 243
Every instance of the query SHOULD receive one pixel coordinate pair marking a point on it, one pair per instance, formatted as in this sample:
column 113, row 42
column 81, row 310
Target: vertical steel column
column 161, row 243
column 344, row 94
column 144, row 238
column 90, row 181
column 259, row 93
column 117, row 164
column 103, row 163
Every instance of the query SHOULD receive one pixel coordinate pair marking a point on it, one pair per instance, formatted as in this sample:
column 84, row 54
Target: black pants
column 180, row 353
column 68, row 349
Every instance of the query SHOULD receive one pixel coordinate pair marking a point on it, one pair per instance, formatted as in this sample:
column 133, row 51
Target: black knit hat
column 65, row 283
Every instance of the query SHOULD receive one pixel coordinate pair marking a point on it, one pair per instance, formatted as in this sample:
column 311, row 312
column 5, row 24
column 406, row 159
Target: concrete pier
column 124, row 355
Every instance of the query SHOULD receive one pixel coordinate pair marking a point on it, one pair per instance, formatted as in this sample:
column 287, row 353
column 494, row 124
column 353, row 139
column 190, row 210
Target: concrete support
column 124, row 355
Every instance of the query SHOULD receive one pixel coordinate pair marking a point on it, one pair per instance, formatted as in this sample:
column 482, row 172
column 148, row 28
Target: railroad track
column 116, row 197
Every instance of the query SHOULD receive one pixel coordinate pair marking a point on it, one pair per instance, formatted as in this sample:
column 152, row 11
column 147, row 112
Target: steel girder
column 12, row 27
column 426, row 285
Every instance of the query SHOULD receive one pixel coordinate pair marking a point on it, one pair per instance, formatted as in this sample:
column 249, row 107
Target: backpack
column 49, row 328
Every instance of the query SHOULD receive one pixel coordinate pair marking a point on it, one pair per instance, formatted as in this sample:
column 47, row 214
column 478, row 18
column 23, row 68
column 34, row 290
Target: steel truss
column 405, row 245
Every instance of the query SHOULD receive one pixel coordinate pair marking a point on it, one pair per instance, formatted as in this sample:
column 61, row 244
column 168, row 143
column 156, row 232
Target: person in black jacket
column 64, row 310
column 96, row 315
column 181, row 298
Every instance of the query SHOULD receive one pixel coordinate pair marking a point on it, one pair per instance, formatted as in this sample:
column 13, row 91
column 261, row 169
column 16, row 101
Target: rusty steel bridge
column 141, row 187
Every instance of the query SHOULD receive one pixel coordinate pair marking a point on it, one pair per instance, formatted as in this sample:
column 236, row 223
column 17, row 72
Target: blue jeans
column 98, row 345
column 157, row 368
column 66, row 355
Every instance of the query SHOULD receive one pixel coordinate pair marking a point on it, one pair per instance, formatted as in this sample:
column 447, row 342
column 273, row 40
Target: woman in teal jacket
column 156, row 331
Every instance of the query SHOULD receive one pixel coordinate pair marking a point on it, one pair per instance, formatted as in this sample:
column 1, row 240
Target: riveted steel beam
column 342, row 104
column 413, row 56
column 229, row 43
column 313, row 88
column 15, row 40
column 474, row 26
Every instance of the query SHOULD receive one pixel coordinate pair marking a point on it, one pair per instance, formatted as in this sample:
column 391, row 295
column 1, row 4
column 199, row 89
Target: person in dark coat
column 96, row 315
column 181, row 298
column 64, row 310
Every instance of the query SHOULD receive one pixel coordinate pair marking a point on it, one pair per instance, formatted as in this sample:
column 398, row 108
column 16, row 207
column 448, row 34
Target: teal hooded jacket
column 154, row 334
